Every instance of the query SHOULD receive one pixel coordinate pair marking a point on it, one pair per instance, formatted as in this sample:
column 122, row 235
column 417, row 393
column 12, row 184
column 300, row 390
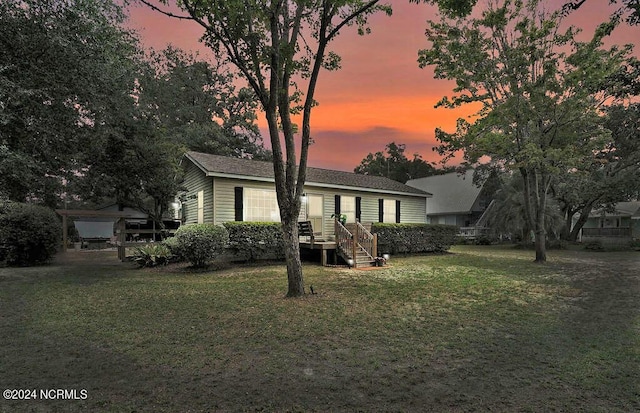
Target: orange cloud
column 379, row 95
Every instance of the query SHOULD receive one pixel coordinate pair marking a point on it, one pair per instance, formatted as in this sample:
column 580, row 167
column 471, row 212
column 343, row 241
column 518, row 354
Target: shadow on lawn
column 584, row 359
column 581, row 357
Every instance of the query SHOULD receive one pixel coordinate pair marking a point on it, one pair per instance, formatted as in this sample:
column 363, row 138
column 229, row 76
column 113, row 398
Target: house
column 221, row 189
column 456, row 201
column 619, row 226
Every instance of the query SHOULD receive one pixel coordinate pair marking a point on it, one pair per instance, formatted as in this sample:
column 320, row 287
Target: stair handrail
column 344, row 238
column 366, row 240
column 481, row 222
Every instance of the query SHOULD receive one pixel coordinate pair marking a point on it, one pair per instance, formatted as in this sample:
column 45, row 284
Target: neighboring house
column 618, row 226
column 221, row 189
column 456, row 201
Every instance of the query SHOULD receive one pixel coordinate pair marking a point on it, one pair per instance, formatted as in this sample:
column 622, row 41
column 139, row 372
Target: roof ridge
column 220, row 164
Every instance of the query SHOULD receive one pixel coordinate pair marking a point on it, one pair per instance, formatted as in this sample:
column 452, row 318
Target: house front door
column 315, row 209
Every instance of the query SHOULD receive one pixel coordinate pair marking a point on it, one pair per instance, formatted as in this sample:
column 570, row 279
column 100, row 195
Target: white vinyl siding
column 412, row 209
column 197, row 182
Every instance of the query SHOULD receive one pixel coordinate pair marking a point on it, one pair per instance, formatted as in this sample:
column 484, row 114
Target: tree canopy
column 395, row 165
column 86, row 116
column 66, row 67
column 199, row 105
column 541, row 94
column 628, row 9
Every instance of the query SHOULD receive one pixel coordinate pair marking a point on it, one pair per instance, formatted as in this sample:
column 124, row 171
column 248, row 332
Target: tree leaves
column 395, row 165
column 541, row 93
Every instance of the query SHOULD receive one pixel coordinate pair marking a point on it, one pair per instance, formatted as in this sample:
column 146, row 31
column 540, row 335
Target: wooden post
column 354, row 243
column 122, row 238
column 374, row 250
column 65, row 233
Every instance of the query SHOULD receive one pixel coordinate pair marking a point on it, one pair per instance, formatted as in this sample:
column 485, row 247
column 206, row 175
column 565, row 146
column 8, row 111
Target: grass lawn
column 479, row 329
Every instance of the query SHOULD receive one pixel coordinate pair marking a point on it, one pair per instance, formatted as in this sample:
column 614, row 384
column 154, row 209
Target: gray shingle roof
column 452, row 193
column 622, row 209
column 247, row 168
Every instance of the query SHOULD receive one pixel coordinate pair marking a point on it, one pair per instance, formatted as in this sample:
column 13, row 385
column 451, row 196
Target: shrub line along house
column 221, row 189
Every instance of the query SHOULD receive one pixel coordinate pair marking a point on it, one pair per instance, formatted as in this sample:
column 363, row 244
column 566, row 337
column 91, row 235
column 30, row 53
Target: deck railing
column 473, row 232
column 606, row 232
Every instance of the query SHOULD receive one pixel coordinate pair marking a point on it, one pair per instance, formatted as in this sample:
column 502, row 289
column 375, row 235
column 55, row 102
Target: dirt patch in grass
column 481, row 329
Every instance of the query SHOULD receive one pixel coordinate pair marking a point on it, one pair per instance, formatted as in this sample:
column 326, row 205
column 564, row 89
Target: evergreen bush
column 201, row 243
column 414, row 238
column 174, row 248
column 29, row 234
column 250, row 241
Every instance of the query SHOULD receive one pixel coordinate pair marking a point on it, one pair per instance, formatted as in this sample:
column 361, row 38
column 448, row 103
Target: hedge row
column 29, row 234
column 414, row 238
column 251, row 241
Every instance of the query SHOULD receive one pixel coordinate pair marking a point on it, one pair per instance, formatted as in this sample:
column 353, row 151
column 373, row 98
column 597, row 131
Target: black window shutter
column 398, row 212
column 380, row 210
column 238, row 203
column 337, row 207
column 358, row 208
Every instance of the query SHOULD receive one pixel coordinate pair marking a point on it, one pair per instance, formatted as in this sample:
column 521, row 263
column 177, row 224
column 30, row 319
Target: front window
column 348, row 207
column 260, row 205
column 610, row 222
column 389, row 210
column 200, row 207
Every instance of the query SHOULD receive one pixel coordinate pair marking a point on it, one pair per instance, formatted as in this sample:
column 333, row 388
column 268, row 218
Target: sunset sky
column 380, row 95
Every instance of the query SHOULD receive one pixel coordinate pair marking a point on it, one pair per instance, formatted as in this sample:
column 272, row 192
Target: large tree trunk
column 541, row 246
column 541, row 206
column 292, row 254
column 565, row 234
column 582, row 219
column 288, row 202
column 535, row 198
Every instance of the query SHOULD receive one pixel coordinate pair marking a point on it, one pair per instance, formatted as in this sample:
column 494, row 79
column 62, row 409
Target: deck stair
column 356, row 242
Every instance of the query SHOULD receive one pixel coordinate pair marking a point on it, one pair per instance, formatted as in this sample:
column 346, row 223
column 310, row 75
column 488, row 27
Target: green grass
column 483, row 328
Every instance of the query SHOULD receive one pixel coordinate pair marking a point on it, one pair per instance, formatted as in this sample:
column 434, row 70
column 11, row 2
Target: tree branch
column 166, row 13
column 349, row 18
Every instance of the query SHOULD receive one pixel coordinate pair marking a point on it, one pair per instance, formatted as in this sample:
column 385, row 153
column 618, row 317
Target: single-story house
column 619, row 225
column 456, row 201
column 221, row 189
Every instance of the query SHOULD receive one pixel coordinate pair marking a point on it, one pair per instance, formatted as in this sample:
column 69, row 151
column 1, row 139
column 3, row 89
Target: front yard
column 480, row 329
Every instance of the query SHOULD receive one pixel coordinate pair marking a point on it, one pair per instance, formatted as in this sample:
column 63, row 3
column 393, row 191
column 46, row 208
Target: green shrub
column 483, row 240
column 29, row 234
column 594, row 245
column 174, row 249
column 200, row 243
column 414, row 238
column 250, row 241
column 152, row 255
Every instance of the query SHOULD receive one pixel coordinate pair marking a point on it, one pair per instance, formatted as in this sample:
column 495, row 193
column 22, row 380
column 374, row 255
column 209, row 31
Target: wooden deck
column 324, row 246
